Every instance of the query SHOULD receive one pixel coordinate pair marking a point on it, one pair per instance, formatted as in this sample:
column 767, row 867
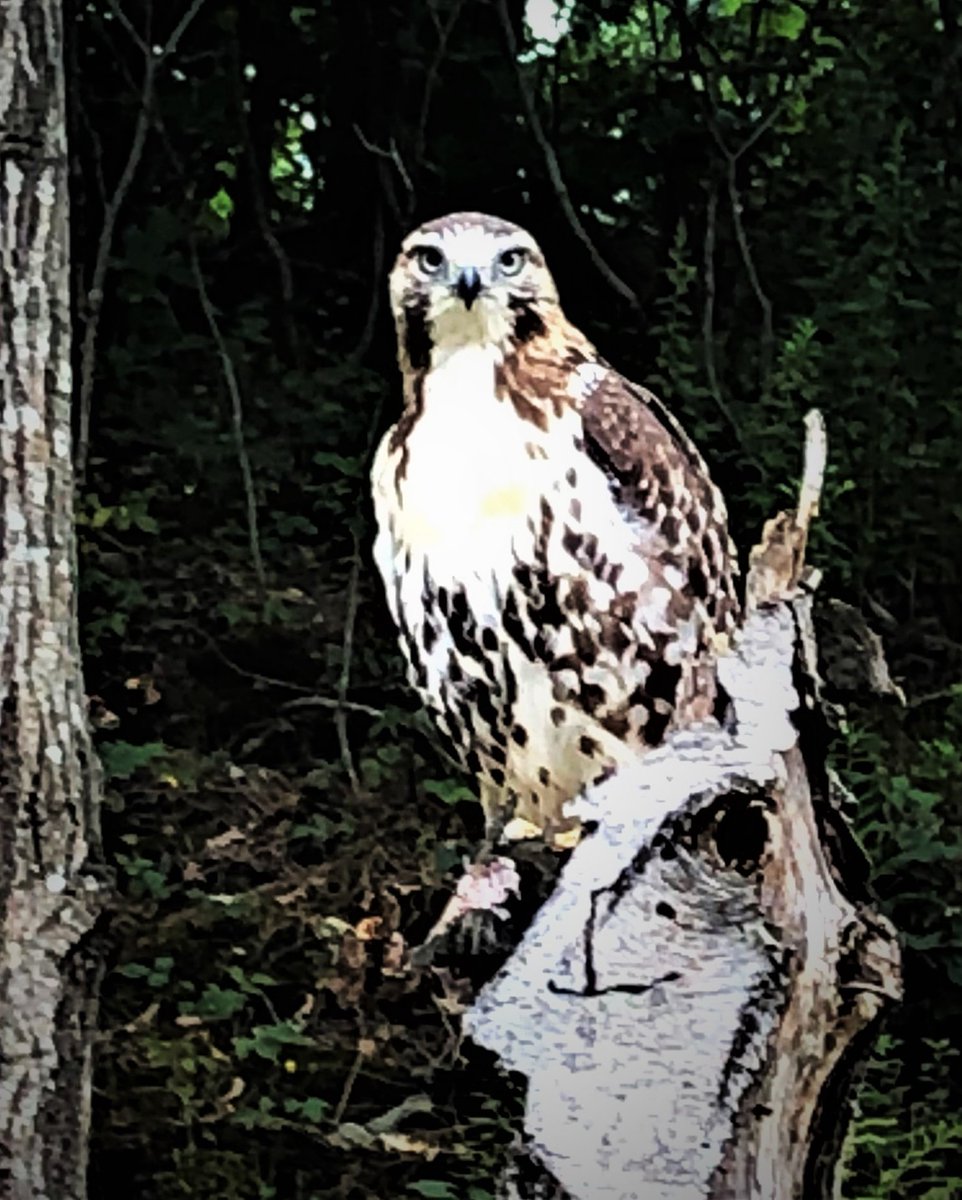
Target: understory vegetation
column 753, row 206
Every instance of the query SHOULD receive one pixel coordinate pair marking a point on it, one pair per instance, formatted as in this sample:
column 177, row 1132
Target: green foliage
column 909, row 819
column 122, row 760
column 274, row 856
column 907, row 1130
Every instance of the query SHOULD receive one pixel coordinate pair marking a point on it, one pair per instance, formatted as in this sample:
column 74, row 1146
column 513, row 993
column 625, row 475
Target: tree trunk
column 49, row 778
column 691, row 1001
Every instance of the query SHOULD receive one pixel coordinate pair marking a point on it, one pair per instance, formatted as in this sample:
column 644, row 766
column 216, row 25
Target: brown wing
column 658, row 477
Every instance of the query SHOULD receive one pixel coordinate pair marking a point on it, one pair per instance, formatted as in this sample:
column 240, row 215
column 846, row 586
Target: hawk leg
column 499, row 804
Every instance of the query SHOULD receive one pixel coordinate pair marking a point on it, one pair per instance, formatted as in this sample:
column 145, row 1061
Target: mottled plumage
column 553, row 550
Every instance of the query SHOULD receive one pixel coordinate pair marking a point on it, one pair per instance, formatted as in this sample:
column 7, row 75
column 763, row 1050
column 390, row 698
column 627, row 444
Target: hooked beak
column 468, row 286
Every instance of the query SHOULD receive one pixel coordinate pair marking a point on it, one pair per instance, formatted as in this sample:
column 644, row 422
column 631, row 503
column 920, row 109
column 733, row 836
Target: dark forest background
column 754, row 206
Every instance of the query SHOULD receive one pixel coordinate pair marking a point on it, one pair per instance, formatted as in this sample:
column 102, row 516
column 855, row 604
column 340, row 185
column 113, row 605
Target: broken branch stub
column 685, row 1002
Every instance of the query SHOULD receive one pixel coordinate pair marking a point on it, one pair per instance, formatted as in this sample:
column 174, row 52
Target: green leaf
column 312, row 1108
column 215, row 1003
column 267, row 1041
column 121, row 760
column 222, row 205
column 448, row 790
column 789, row 24
column 436, row 1188
column 352, row 467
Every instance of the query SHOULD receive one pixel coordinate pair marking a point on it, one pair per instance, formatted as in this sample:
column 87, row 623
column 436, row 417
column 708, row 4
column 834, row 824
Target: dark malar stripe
column 402, row 430
column 527, row 321
column 417, row 336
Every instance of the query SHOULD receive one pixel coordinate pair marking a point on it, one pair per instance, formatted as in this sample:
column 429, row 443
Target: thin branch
column 141, row 43
column 708, row 316
column 351, row 1078
column 768, row 327
column 554, row 167
column 368, row 710
column 949, row 693
column 179, row 30
column 763, row 125
column 310, row 699
column 370, row 322
column 350, row 622
column 260, row 208
column 653, row 25
column 344, row 680
column 734, row 199
column 95, row 294
column 689, row 37
column 431, row 77
column 237, row 415
column 229, row 370
column 758, row 11
column 694, row 66
column 392, row 154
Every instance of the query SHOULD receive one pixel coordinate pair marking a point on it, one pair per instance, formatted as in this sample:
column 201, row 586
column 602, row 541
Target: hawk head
column 465, row 279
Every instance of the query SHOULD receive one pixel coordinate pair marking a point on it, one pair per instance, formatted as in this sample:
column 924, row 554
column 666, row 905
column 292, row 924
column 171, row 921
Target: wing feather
column 659, row 479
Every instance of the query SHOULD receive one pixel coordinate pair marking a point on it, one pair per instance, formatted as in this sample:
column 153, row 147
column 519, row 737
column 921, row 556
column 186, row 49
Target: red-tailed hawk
column 554, row 552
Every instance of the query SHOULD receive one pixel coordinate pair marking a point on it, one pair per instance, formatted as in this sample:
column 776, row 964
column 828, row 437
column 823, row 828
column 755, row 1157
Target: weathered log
column 49, row 781
column 687, row 1004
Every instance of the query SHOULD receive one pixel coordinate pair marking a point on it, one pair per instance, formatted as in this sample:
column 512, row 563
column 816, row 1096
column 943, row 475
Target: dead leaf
column 403, row 1144
column 368, row 929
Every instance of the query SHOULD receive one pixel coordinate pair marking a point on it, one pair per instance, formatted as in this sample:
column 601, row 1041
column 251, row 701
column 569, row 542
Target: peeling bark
column 49, row 778
column 690, row 1002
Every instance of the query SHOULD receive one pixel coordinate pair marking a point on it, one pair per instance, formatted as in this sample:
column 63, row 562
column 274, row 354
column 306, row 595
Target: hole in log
column 741, row 837
column 734, row 831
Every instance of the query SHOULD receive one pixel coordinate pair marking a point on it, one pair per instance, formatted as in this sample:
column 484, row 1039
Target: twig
column 370, row 321
column 431, row 77
column 227, row 365
column 329, row 702
column 344, row 680
column 338, row 1115
column 260, row 209
column 949, row 693
column 350, row 621
column 237, row 415
column 734, row 200
column 653, row 25
column 267, row 680
column 554, row 167
column 708, row 316
column 392, row 154
column 694, row 66
column 142, row 44
column 179, row 30
column 95, row 293
column 310, row 699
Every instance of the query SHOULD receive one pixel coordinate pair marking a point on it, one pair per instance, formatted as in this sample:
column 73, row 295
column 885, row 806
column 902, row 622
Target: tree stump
column 690, row 1002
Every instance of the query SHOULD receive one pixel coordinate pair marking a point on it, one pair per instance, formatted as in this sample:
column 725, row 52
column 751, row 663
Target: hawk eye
column 511, row 261
column 429, row 259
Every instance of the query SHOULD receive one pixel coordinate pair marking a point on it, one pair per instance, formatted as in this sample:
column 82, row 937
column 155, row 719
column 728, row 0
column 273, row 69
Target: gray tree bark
column 49, row 777
column 690, row 1003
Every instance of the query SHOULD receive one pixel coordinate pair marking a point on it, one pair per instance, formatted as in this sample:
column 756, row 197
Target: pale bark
column 688, row 1004
column 49, row 779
